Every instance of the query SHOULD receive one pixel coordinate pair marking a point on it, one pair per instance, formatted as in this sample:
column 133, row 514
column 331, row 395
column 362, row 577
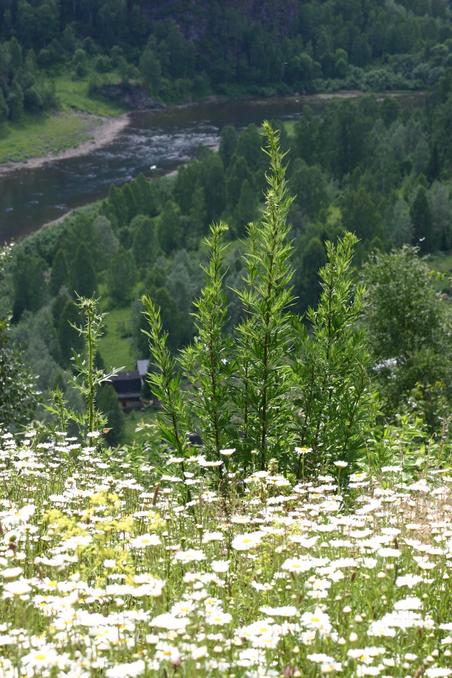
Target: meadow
column 116, row 566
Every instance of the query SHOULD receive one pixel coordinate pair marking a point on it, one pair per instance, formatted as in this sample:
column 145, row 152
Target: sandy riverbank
column 104, row 131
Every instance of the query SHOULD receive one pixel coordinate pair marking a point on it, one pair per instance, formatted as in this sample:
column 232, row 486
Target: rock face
column 133, row 97
column 195, row 17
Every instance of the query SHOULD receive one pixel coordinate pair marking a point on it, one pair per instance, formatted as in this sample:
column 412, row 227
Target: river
column 30, row 198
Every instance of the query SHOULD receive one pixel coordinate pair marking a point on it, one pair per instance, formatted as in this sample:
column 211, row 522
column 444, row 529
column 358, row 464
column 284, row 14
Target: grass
column 289, row 126
column 115, row 346
column 107, row 571
column 74, row 95
column 51, row 133
column 441, row 263
column 142, row 421
column 39, row 136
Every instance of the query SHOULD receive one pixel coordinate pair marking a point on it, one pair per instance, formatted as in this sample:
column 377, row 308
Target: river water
column 165, row 139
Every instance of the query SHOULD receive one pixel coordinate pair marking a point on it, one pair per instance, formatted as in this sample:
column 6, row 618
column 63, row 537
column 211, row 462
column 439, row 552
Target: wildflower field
column 113, row 568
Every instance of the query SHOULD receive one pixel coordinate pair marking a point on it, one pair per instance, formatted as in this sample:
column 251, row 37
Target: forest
column 181, row 52
column 280, row 506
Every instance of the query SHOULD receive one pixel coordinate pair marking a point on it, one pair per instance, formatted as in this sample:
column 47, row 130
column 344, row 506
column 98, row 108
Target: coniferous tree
column 170, row 232
column 422, row 221
column 59, row 275
column 246, row 209
column 29, row 284
column 68, row 336
column 145, row 247
column 83, row 278
column 122, row 276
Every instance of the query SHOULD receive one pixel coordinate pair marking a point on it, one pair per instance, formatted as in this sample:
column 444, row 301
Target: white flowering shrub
column 105, row 572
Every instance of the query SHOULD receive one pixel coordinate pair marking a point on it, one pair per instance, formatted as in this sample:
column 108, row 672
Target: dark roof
column 127, row 384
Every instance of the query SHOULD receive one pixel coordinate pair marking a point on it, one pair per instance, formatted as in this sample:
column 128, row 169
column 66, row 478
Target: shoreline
column 104, row 134
column 107, row 131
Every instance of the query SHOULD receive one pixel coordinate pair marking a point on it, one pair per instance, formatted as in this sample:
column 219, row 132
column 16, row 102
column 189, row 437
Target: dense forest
column 182, row 50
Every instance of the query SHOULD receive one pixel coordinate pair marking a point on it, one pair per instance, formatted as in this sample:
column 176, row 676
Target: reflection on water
column 30, row 198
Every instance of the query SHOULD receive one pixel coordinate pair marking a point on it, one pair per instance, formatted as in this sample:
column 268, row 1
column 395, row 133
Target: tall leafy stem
column 264, row 337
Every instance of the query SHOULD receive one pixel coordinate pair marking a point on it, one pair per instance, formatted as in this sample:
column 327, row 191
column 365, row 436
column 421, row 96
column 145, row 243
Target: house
column 128, row 386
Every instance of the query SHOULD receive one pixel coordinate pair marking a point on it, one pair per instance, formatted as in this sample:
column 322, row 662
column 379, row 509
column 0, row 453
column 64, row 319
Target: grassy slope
column 115, row 346
column 37, row 136
column 73, row 94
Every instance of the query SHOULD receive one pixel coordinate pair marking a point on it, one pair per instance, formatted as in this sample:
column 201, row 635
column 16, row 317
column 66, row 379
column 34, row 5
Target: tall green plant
column 87, row 378
column 206, row 362
column 165, row 382
column 264, row 337
column 335, row 405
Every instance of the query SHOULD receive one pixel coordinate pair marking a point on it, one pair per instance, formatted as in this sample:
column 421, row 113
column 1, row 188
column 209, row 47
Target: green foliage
column 68, row 337
column 206, row 362
column 409, row 326
column 18, row 394
column 264, row 336
column 88, row 375
column 145, row 245
column 107, row 402
column 165, row 382
column 29, row 285
column 422, row 221
column 335, row 404
column 83, row 276
column 60, row 274
column 122, row 277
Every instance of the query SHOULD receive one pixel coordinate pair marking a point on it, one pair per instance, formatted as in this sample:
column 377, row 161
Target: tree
column 59, row 275
column 238, row 173
column 198, row 216
column 122, row 276
column 83, row 277
column 306, row 137
column 68, row 336
column 108, row 404
column 440, row 201
column 409, row 325
column 144, row 195
column 29, row 284
column 4, row 111
column 145, row 245
column 151, row 70
column 228, row 144
column 106, row 241
column 18, row 395
column 360, row 214
column 15, row 101
column 246, row 208
column 169, row 228
column 309, row 186
column 422, row 221
column 309, row 257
